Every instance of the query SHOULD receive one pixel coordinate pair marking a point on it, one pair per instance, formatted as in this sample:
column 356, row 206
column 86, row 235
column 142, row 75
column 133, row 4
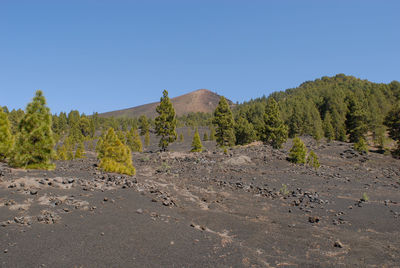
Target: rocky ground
column 248, row 208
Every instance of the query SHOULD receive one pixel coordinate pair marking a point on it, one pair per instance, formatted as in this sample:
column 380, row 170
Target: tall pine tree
column 275, row 130
column 165, row 122
column 392, row 121
column 328, row 128
column 356, row 120
column 244, row 131
column 225, row 124
column 6, row 138
column 34, row 145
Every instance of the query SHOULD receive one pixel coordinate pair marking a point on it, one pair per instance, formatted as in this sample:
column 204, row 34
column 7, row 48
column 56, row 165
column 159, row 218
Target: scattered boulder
column 238, row 160
column 48, row 217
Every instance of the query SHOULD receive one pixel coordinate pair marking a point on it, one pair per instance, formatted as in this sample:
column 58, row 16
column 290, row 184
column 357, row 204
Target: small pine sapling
column 312, row 160
column 80, row 151
column 147, row 138
column 115, row 156
column 205, row 136
column 298, row 152
column 361, row 146
column 196, row 143
column 62, row 152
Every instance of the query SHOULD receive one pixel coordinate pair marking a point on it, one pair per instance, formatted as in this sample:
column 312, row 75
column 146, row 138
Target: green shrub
column 114, row 155
column 284, row 190
column 365, row 197
column 205, row 136
column 62, row 152
column 80, row 151
column 312, row 160
column 147, row 138
column 298, row 152
column 361, row 146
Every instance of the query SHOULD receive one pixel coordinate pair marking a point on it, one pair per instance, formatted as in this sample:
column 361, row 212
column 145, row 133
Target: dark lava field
column 247, row 208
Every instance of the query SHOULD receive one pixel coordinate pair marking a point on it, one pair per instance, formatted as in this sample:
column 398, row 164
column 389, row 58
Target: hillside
column 201, row 100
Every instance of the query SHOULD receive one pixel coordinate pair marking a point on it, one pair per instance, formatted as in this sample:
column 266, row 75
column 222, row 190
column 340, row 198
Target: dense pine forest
column 341, row 108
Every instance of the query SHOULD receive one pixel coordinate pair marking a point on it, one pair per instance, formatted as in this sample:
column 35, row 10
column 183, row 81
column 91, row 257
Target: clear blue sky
column 108, row 55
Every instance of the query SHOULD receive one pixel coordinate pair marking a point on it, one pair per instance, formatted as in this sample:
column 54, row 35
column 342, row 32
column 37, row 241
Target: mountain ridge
column 200, row 100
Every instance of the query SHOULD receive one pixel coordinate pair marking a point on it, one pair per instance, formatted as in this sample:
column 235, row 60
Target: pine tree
column 212, row 133
column 392, row 121
column 133, row 140
column 196, row 143
column 121, row 136
column 80, row 151
column 312, row 160
column 275, row 131
column 244, row 131
column 143, row 125
column 295, row 124
column 165, row 122
column 34, row 145
column 298, row 152
column 147, row 138
column 69, row 144
column 62, row 152
column 15, row 117
column 6, row 138
column 114, row 155
column 361, row 146
column 205, row 136
column 84, row 126
column 328, row 128
column 223, row 120
column 356, row 120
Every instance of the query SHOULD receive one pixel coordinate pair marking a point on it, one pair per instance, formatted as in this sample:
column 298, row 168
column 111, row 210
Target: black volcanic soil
column 205, row 210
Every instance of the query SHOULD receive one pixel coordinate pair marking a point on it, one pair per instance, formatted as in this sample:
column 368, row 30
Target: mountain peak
column 200, row 100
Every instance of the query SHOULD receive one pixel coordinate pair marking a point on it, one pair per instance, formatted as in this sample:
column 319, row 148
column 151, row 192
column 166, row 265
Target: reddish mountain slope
column 201, row 100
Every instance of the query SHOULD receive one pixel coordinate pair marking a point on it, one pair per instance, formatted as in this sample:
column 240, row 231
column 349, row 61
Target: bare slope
column 201, row 100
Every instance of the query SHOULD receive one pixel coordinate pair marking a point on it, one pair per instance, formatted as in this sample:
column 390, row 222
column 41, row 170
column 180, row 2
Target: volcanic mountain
column 201, row 100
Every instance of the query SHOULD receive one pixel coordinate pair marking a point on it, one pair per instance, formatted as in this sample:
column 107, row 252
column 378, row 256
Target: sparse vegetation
column 284, row 190
column 364, row 197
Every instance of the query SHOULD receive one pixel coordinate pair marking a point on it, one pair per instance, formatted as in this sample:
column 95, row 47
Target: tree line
column 338, row 108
